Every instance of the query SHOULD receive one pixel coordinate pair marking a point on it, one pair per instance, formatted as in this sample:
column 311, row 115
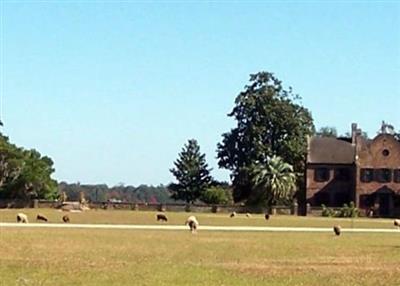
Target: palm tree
column 273, row 182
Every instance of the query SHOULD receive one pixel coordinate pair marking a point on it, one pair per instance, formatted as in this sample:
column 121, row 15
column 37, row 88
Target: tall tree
column 270, row 121
column 25, row 174
column 192, row 173
column 11, row 162
column 274, row 183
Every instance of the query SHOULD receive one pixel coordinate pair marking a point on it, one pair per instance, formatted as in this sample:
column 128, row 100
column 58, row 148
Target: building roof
column 327, row 150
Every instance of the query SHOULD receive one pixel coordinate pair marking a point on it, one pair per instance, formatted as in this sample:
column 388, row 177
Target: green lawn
column 137, row 257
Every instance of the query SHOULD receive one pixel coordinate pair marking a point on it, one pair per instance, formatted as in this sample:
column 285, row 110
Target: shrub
column 345, row 211
column 217, row 195
column 353, row 211
column 327, row 212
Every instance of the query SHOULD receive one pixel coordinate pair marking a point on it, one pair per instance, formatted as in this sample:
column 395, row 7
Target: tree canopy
column 274, row 183
column 270, row 121
column 192, row 173
column 327, row 131
column 25, row 174
column 128, row 193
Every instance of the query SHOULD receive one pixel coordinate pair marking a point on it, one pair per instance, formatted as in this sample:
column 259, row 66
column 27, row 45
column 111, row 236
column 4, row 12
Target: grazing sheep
column 41, row 217
column 267, row 216
column 248, row 214
column 162, row 217
column 193, row 223
column 233, row 214
column 337, row 229
column 396, row 222
column 21, row 217
column 65, row 218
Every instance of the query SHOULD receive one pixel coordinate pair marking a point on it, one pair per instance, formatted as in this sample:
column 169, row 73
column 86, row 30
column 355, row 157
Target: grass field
column 136, row 257
column 178, row 218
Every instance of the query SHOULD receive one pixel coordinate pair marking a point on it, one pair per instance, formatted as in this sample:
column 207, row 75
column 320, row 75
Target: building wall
column 370, row 155
column 335, row 191
column 383, row 152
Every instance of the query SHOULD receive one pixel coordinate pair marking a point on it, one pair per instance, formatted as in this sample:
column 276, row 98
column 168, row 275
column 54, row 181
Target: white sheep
column 193, row 223
column 21, row 217
column 248, row 214
column 233, row 214
column 396, row 222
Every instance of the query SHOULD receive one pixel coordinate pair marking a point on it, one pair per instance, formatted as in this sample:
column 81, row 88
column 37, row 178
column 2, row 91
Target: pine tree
column 192, row 173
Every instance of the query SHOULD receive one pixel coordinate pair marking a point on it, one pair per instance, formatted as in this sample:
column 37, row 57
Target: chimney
column 353, row 133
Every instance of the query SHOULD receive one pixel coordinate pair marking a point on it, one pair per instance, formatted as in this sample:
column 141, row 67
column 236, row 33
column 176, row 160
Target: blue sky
column 112, row 91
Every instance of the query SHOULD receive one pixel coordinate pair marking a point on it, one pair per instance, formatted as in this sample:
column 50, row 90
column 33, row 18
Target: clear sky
column 112, row 91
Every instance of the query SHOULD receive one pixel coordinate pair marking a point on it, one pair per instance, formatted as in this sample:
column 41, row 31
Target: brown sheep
column 337, row 229
column 65, row 218
column 267, row 216
column 41, row 217
column 193, row 223
column 21, row 217
column 162, row 217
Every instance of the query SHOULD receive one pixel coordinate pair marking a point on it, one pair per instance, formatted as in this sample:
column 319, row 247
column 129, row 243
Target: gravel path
column 201, row 228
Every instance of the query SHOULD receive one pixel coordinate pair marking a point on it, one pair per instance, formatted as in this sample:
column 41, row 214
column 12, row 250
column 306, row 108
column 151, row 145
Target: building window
column 366, row 175
column 383, row 175
column 385, row 152
column 342, row 174
column 321, row 175
column 396, row 175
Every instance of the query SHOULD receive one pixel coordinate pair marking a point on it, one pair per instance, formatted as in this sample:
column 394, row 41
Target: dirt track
column 201, row 228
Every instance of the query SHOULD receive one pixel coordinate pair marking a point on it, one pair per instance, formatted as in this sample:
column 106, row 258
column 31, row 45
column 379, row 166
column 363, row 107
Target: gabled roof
column 327, row 150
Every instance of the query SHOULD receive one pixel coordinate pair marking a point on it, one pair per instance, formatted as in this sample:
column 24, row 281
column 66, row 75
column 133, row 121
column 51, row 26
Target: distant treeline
column 120, row 193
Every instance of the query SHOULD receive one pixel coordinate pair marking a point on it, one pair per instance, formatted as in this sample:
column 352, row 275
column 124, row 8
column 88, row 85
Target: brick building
column 365, row 171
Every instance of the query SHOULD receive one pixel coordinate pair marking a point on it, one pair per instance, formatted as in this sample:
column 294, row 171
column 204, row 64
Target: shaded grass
column 178, row 218
column 125, row 257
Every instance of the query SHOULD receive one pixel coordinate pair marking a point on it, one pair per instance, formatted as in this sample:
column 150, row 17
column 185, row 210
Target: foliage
column 348, row 134
column 274, row 182
column 10, row 162
column 345, row 211
column 192, row 173
column 102, row 193
column 217, row 195
column 25, row 174
column 348, row 210
column 327, row 131
column 327, row 212
column 270, row 121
